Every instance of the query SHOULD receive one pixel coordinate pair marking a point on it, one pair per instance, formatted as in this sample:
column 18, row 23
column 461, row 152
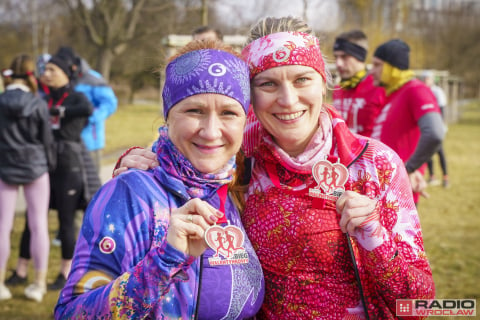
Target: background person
column 19, row 275
column 90, row 176
column 356, row 98
column 26, row 155
column 100, row 94
column 69, row 112
column 207, row 33
column 410, row 123
column 143, row 234
column 429, row 79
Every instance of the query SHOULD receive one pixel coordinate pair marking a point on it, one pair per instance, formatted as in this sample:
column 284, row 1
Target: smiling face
column 287, row 100
column 207, row 129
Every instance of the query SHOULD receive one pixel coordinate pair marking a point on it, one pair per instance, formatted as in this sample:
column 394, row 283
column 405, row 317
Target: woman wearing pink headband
column 329, row 213
column 319, row 194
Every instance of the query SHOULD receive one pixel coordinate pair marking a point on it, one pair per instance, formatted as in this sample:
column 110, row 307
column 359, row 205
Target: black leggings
column 443, row 162
column 67, row 189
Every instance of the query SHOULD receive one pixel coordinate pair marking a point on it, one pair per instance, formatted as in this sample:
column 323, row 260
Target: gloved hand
column 54, row 111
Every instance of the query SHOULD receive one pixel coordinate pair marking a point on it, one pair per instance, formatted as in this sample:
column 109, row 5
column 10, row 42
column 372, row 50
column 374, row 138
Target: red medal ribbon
column 222, row 193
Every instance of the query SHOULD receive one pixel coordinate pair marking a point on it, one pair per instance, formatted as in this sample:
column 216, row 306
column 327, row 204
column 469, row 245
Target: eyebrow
column 296, row 75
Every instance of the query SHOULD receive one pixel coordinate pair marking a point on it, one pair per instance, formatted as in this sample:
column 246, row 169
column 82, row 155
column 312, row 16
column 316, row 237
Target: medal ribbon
column 316, row 202
column 222, row 193
column 55, row 119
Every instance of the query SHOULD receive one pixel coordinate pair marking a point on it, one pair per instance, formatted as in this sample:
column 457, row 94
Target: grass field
column 450, row 217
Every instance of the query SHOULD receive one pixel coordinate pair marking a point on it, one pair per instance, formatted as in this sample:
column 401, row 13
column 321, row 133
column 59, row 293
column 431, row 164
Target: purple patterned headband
column 206, row 71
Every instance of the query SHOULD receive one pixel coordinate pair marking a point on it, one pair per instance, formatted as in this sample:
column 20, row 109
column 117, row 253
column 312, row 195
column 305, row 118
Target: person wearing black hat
column 93, row 86
column 411, row 122
column 356, row 98
column 69, row 112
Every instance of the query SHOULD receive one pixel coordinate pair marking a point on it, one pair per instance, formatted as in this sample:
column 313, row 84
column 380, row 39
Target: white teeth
column 290, row 116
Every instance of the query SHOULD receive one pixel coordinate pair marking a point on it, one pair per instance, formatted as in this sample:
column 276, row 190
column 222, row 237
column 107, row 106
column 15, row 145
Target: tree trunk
column 105, row 63
column 205, row 12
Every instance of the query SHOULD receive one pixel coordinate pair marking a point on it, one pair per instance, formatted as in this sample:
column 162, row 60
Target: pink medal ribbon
column 226, row 242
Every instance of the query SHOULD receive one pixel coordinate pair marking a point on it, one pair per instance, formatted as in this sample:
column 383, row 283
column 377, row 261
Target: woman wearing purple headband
column 330, row 213
column 168, row 243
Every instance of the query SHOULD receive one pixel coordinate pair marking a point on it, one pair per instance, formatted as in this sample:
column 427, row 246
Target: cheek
column 179, row 131
column 235, row 133
column 259, row 101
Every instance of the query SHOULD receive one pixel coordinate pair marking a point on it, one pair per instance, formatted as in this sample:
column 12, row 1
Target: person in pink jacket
column 330, row 213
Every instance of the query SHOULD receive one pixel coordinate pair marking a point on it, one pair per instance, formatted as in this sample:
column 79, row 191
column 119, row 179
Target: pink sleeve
column 421, row 101
column 399, row 266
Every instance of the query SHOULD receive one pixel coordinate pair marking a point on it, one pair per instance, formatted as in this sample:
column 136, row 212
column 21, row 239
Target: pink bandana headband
column 283, row 49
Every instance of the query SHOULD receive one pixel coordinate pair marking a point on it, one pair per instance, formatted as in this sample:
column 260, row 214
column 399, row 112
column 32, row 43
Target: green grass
column 450, row 217
column 131, row 125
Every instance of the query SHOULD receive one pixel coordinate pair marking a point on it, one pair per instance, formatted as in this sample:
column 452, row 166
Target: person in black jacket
column 69, row 112
column 26, row 156
column 90, row 177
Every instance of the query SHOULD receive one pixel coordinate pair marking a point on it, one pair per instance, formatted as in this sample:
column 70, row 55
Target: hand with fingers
column 188, row 224
column 138, row 158
column 360, row 217
column 418, row 183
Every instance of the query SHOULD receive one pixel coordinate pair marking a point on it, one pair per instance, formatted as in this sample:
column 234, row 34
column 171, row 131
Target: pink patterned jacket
column 309, row 273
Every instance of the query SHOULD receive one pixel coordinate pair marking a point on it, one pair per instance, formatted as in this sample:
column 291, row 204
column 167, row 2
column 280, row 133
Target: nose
column 287, row 95
column 338, row 62
column 211, row 127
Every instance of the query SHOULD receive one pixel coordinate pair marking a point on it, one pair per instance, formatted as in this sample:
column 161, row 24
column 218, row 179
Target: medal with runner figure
column 226, row 242
column 330, row 178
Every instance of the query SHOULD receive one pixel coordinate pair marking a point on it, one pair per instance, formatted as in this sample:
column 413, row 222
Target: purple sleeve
column 122, row 266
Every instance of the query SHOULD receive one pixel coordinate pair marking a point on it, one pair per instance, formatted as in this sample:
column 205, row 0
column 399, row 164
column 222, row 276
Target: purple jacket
column 124, row 267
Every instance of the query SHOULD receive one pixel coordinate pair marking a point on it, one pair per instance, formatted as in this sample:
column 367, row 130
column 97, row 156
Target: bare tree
column 112, row 25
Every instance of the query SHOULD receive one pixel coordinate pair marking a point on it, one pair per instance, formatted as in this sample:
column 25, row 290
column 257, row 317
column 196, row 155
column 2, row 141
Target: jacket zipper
column 355, row 268
column 199, row 287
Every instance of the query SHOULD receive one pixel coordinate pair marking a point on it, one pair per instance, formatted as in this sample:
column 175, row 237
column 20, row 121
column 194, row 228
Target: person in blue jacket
column 168, row 243
column 93, row 85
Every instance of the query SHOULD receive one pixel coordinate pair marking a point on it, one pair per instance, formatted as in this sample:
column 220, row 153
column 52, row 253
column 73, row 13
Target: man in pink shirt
column 411, row 122
column 356, row 98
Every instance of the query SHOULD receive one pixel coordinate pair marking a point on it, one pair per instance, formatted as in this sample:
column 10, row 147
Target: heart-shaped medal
column 331, row 179
column 226, row 242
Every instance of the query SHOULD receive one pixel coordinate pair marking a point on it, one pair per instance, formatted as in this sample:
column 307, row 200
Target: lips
column 208, row 149
column 289, row 116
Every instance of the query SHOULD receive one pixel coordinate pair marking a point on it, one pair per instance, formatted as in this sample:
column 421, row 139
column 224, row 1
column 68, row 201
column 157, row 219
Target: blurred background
column 125, row 40
column 128, row 40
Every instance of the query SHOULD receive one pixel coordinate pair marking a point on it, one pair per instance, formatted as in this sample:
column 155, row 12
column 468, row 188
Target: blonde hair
column 23, row 68
column 269, row 25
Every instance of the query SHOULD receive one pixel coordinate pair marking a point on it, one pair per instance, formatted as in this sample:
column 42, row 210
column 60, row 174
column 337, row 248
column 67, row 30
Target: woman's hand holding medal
column 188, row 224
column 360, row 217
